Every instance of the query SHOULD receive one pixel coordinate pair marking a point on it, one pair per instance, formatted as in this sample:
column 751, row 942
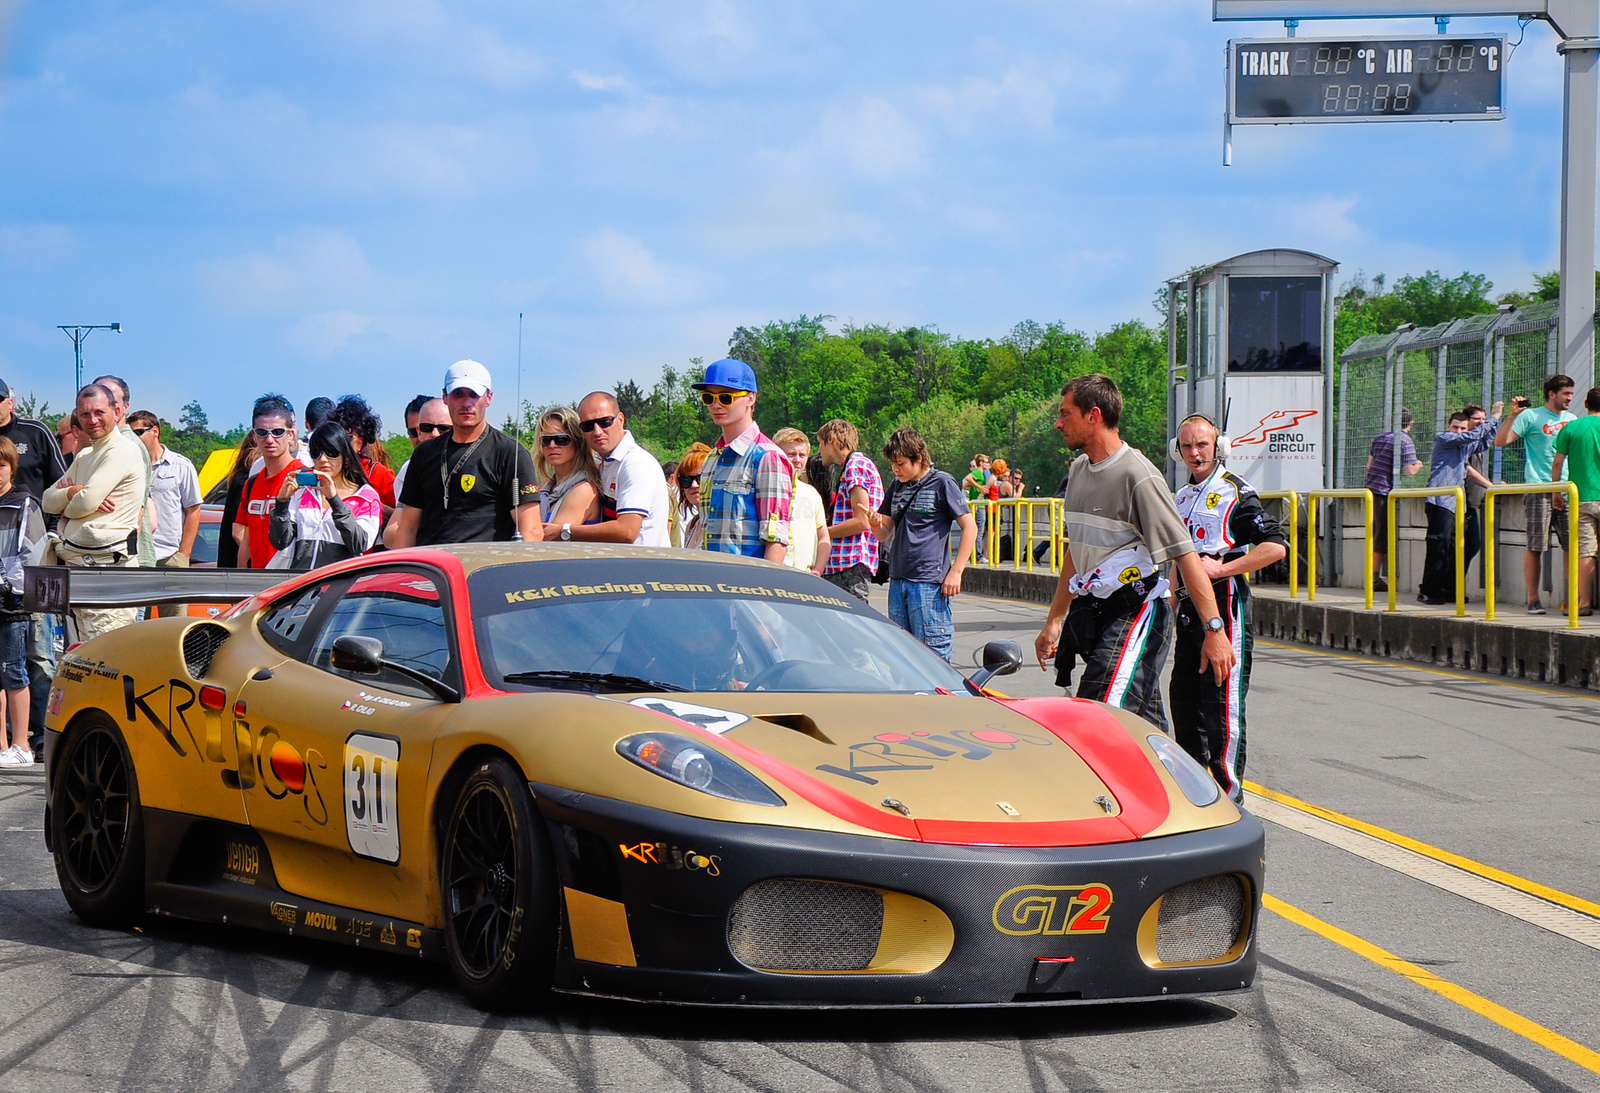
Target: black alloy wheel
column 98, row 827
column 498, row 890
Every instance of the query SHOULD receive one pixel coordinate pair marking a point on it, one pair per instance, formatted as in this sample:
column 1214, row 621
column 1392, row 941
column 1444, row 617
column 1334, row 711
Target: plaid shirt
column 744, row 499
column 862, row 549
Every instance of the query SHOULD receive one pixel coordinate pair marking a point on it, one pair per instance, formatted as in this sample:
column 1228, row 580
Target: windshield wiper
column 592, row 681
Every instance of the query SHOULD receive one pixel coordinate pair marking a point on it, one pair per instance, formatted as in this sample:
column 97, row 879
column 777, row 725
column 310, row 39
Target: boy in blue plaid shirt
column 746, row 484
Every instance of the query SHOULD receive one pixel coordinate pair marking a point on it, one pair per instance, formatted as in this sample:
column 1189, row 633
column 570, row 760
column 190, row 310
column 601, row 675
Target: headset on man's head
column 1223, row 445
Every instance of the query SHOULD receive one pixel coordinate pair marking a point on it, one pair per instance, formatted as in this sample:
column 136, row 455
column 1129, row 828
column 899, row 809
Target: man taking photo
column 1122, row 526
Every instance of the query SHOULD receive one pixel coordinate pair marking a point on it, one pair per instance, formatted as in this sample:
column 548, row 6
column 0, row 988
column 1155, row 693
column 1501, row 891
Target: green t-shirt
column 1538, row 428
column 1579, row 445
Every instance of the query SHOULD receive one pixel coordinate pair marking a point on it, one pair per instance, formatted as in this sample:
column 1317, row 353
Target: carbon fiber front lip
column 677, row 916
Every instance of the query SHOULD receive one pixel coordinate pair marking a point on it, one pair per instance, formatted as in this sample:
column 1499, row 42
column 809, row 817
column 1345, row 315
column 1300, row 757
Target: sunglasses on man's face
column 270, row 432
column 558, row 440
column 724, row 397
column 141, row 432
column 597, row 423
column 428, row 428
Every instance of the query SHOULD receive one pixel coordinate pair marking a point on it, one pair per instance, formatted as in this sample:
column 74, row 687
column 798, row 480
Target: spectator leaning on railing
column 1536, row 427
column 1380, row 480
column 1578, row 453
column 1451, row 450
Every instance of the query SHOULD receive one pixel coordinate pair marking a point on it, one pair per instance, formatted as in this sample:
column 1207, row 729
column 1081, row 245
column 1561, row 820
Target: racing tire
column 97, row 826
column 497, row 885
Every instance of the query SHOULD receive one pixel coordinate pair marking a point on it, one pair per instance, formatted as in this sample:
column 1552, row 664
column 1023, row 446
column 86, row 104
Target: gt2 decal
column 888, row 751
column 1052, row 910
column 371, row 766
column 670, row 857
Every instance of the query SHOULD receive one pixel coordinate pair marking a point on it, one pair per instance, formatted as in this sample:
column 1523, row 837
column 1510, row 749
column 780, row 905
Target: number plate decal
column 371, row 813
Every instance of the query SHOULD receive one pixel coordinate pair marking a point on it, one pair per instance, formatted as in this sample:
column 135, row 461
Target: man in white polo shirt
column 175, row 495
column 633, row 488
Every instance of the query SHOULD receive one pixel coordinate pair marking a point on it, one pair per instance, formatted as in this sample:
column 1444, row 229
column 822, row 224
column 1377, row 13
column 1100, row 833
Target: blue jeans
column 923, row 610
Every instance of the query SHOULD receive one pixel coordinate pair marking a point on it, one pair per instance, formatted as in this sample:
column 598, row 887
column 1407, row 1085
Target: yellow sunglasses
column 724, row 397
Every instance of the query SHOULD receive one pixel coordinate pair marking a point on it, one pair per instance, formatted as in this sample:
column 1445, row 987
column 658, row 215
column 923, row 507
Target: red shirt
column 255, row 512
column 382, row 479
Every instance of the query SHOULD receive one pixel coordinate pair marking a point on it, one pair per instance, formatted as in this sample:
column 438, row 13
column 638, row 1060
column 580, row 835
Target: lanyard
column 446, row 475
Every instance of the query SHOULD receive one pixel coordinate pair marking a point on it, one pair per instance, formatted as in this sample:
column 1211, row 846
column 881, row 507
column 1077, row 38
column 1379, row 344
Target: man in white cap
column 473, row 484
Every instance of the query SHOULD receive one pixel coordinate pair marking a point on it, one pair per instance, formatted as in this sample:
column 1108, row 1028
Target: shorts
column 1536, row 507
column 14, row 654
column 857, row 580
column 1588, row 529
column 1380, row 523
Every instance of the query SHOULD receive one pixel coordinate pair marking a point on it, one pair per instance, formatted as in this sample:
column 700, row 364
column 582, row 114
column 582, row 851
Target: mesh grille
column 806, row 925
column 200, row 644
column 1200, row 920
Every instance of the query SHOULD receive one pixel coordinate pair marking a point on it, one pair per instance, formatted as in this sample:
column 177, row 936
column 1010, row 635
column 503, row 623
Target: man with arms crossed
column 633, row 488
column 1224, row 517
column 1122, row 527
column 1537, row 428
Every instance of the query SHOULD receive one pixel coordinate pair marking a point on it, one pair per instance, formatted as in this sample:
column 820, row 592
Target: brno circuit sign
column 1274, row 81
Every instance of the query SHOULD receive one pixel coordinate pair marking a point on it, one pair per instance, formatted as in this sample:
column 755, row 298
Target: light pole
column 77, row 334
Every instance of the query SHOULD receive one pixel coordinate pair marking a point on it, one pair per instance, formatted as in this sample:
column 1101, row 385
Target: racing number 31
column 370, row 766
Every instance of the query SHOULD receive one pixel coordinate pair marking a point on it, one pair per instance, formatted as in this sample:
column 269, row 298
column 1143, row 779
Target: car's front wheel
column 98, row 829
column 498, row 887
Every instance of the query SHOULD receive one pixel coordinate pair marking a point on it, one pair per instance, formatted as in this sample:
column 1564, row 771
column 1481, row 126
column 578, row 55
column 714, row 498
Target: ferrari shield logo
column 1129, row 575
column 467, row 482
column 1212, row 499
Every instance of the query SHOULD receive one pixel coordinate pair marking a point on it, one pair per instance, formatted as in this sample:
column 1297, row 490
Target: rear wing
column 55, row 589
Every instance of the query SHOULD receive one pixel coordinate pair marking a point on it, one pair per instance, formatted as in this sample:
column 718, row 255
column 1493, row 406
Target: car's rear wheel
column 98, row 828
column 498, row 887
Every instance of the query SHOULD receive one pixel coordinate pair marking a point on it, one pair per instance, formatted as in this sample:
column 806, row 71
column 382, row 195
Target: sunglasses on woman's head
column 270, row 432
column 559, row 440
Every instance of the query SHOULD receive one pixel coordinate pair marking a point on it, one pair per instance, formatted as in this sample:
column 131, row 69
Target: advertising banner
column 1277, row 422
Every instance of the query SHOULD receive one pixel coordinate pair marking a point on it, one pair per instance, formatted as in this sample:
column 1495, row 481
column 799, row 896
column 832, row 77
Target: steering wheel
column 768, row 678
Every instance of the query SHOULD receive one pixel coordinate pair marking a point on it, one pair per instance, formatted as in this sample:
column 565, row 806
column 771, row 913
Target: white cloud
column 627, row 272
column 36, row 246
column 313, row 265
column 591, row 82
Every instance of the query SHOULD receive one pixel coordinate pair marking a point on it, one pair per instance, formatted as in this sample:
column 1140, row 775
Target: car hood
column 943, row 768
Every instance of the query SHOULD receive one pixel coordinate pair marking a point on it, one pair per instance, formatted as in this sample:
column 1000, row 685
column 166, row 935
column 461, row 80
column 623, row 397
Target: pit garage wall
column 1557, row 656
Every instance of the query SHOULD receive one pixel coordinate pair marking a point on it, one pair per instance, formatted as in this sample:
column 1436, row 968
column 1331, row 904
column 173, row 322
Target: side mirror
column 354, row 653
column 1000, row 658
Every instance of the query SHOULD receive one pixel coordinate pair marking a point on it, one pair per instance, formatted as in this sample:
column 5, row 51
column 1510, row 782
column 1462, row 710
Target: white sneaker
column 15, row 756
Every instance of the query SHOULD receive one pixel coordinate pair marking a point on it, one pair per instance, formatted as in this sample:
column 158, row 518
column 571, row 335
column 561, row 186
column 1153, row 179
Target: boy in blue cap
column 746, row 485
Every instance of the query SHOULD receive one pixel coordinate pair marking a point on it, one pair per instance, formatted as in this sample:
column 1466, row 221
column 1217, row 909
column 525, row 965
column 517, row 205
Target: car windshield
column 628, row 624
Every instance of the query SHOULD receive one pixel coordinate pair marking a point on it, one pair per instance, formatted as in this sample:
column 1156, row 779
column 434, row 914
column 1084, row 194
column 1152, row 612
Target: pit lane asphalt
column 1500, row 774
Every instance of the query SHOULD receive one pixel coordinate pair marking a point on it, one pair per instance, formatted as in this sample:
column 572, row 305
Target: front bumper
column 676, row 898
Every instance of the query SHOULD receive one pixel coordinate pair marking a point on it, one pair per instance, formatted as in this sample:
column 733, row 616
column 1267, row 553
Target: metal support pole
column 1580, row 120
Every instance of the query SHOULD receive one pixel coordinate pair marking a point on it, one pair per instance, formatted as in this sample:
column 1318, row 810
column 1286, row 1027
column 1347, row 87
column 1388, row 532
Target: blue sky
column 323, row 198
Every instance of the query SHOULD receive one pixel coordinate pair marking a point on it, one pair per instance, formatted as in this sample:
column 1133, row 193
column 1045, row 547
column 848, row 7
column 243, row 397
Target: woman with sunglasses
column 571, row 491
column 685, row 526
column 335, row 519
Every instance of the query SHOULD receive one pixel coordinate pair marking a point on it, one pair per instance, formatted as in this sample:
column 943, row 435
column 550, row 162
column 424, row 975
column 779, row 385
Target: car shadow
column 315, row 974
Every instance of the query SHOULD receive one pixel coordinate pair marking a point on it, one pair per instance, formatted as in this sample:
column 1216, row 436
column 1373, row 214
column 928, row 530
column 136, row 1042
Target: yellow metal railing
column 1491, row 574
column 1294, row 533
column 1022, row 532
column 1312, row 497
column 1461, row 541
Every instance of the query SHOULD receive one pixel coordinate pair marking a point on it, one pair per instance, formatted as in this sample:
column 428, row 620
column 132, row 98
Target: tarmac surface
column 1377, row 972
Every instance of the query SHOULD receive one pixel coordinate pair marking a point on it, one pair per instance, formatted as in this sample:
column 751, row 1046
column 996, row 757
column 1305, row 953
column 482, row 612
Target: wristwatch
column 1214, row 624
column 566, row 537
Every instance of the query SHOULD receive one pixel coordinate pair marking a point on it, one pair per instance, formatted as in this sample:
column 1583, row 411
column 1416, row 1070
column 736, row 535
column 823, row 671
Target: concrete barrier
column 1565, row 658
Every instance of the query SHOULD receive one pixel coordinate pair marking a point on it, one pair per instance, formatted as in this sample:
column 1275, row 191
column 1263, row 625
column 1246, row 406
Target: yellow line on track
column 1568, row 1049
column 1488, row 872
column 1480, row 677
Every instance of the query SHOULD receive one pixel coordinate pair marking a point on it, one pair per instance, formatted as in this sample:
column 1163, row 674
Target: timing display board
column 1276, row 81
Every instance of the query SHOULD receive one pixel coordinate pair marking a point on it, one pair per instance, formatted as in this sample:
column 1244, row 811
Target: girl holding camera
column 328, row 513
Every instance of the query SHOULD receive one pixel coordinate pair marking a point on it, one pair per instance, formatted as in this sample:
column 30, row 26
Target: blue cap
column 729, row 373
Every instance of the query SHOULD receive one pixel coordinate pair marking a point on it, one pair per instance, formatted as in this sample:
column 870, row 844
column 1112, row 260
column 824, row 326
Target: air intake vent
column 788, row 924
column 200, row 645
column 1200, row 921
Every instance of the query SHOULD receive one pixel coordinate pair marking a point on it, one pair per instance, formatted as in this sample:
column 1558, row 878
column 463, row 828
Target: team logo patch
column 1212, row 499
column 706, row 717
column 467, row 482
column 1129, row 575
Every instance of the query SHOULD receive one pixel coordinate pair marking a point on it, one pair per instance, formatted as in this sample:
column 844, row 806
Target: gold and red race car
column 639, row 774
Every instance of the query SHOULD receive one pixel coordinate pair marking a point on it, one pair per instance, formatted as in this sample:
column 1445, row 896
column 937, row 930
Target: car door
column 342, row 759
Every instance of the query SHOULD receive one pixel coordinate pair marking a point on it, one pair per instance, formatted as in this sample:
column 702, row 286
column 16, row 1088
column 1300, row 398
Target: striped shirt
column 862, row 549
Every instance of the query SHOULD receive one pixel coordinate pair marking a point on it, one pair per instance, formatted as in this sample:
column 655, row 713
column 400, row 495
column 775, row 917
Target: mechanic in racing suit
column 1224, row 517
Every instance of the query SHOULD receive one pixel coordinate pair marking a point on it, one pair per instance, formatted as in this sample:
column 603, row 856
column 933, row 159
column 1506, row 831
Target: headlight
column 686, row 762
column 1195, row 781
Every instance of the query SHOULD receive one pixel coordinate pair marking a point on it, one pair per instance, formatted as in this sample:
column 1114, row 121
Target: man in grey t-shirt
column 1122, row 527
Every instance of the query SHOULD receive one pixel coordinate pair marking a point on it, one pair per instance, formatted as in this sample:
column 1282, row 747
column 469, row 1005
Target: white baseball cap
column 467, row 374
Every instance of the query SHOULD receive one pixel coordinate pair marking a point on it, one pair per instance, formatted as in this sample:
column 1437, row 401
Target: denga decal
column 897, row 752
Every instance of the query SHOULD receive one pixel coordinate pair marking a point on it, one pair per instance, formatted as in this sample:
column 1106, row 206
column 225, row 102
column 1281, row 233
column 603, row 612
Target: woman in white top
column 337, row 518
column 571, row 491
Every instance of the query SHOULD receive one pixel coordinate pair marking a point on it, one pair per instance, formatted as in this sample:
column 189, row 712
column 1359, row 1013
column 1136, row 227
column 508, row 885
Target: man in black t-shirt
column 473, row 484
